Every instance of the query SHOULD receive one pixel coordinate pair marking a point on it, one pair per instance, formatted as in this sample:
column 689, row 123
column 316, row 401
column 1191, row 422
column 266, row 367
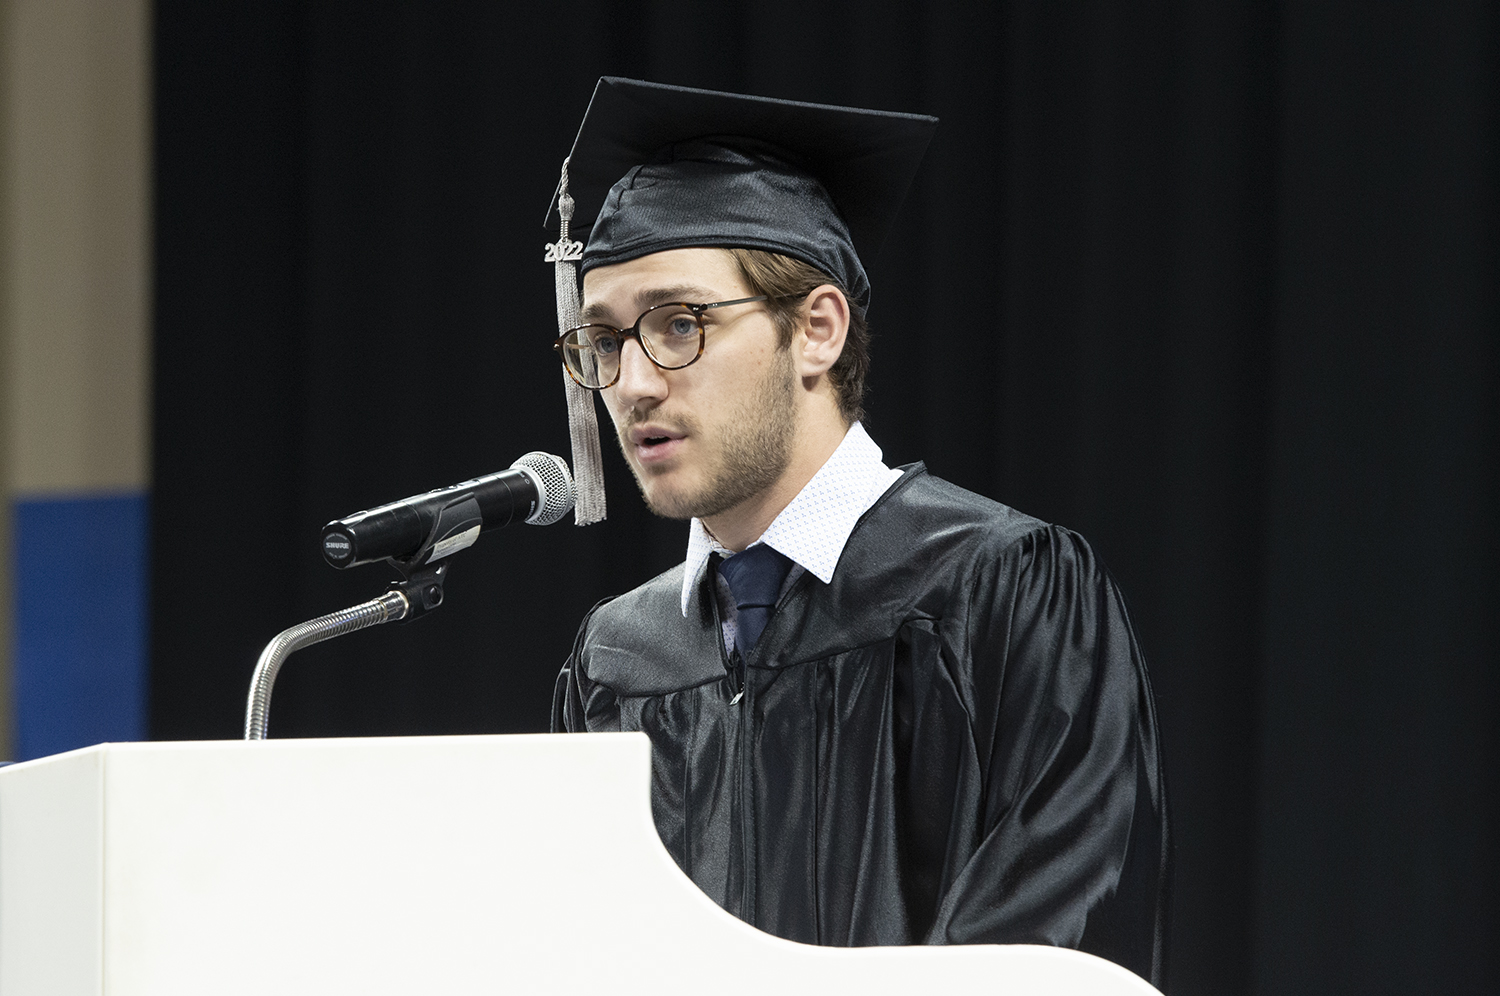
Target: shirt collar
column 815, row 526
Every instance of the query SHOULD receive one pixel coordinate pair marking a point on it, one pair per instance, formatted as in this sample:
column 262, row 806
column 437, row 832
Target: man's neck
column 742, row 525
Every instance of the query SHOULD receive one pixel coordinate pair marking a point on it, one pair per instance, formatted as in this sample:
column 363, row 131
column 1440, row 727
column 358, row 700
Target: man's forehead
column 692, row 276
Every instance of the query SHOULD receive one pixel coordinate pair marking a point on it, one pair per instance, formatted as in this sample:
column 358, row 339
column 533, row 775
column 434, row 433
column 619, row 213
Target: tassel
column 583, row 424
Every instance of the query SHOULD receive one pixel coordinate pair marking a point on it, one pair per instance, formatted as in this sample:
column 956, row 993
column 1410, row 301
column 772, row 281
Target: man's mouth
column 654, row 442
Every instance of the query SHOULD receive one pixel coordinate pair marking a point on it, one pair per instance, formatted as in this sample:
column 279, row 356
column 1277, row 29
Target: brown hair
column 787, row 282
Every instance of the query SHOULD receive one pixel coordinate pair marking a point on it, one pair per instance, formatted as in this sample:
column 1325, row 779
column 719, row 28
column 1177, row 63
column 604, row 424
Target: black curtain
column 1213, row 284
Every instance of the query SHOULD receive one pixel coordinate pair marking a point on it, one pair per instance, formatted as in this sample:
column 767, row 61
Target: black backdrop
column 1214, row 284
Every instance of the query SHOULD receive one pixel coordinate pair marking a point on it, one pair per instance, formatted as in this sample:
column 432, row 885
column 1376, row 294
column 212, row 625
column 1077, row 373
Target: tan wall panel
column 78, row 187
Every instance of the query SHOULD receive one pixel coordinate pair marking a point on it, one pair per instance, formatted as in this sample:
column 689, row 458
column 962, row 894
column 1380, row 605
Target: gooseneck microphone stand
column 452, row 519
column 418, row 594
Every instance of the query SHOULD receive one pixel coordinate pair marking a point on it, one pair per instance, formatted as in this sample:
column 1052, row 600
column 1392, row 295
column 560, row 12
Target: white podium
column 442, row 865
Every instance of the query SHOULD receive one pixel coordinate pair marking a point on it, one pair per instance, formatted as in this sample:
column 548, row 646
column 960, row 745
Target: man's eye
column 682, row 326
column 606, row 344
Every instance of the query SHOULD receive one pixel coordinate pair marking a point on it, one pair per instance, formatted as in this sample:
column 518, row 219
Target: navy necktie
column 755, row 577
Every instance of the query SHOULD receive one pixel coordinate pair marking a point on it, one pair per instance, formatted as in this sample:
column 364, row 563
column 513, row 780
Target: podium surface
column 399, row 865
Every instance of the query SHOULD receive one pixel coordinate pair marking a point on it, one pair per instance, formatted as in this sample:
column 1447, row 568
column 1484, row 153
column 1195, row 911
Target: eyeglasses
column 670, row 334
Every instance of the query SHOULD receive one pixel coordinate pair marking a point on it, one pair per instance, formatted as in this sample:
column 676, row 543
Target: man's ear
column 825, row 326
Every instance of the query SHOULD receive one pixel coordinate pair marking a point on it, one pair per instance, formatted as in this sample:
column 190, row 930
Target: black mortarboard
column 658, row 167
column 661, row 167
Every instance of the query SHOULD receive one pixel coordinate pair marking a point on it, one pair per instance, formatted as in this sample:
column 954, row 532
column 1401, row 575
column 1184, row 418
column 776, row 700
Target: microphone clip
column 455, row 528
column 421, row 586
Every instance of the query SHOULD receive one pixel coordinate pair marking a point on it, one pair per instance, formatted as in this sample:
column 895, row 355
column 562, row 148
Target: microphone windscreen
column 554, row 486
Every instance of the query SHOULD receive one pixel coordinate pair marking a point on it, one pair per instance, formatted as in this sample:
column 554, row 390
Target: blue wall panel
column 79, row 578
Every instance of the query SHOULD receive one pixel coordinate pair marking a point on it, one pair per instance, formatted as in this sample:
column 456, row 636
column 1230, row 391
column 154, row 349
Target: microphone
column 418, row 530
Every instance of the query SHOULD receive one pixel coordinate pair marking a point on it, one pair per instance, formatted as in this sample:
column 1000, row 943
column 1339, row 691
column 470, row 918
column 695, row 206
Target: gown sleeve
column 1073, row 846
column 577, row 703
column 565, row 704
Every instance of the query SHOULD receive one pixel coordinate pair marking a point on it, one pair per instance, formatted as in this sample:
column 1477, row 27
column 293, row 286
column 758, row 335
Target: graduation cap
column 658, row 167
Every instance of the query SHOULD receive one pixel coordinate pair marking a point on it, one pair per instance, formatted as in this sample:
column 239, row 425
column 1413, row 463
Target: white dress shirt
column 811, row 531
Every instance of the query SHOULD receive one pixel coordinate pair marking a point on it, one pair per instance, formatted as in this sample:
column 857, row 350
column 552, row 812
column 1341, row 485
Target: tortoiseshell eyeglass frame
column 634, row 332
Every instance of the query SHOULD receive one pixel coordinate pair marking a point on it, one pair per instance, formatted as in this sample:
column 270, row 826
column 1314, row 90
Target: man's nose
column 640, row 379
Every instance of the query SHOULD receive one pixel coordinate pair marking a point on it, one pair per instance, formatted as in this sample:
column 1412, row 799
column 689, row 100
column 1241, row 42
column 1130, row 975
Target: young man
column 883, row 710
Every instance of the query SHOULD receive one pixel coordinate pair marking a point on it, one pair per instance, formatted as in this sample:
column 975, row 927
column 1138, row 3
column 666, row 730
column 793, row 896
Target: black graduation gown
column 952, row 743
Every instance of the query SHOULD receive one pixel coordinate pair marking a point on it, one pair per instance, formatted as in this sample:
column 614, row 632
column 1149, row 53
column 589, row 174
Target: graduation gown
column 953, row 742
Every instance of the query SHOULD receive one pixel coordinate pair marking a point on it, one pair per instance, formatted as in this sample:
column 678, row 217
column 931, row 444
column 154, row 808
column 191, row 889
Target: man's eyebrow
column 686, row 293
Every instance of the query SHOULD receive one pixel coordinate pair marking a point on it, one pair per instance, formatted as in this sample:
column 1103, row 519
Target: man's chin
column 670, row 505
column 663, row 497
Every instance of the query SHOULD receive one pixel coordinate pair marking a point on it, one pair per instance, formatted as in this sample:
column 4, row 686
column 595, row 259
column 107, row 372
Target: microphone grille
column 555, row 489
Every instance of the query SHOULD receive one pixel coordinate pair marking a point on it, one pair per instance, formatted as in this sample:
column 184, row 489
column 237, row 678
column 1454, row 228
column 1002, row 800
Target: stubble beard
column 755, row 449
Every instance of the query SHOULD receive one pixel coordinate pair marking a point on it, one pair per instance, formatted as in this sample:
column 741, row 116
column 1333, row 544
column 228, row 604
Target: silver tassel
column 583, row 424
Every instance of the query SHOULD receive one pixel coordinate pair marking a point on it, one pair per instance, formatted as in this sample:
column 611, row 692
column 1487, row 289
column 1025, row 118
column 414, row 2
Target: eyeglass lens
column 670, row 334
